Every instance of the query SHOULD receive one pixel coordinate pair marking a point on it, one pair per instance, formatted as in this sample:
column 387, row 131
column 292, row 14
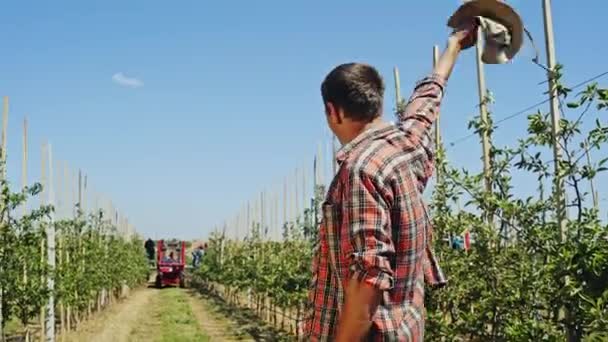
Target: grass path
column 167, row 315
column 244, row 321
column 114, row 324
column 216, row 325
column 169, row 319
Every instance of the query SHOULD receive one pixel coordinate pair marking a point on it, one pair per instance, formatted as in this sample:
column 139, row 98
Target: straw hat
column 495, row 10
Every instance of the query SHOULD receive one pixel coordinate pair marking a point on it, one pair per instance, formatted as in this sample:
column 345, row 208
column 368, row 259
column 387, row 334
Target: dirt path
column 115, row 324
column 165, row 315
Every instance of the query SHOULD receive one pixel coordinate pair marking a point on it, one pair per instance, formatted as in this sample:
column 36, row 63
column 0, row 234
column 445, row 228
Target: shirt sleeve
column 366, row 215
column 417, row 117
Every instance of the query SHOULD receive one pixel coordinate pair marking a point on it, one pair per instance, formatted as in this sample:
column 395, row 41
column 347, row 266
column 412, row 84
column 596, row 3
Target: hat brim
column 495, row 10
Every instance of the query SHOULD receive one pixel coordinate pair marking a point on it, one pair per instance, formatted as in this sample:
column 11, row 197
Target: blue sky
column 229, row 97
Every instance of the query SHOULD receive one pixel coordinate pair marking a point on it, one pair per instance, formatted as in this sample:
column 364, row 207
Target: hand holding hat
column 502, row 27
column 465, row 35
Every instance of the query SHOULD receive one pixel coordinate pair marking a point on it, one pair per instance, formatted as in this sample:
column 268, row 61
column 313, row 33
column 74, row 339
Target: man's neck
column 361, row 128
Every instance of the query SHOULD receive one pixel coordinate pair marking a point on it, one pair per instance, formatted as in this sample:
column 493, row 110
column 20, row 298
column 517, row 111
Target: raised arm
column 422, row 109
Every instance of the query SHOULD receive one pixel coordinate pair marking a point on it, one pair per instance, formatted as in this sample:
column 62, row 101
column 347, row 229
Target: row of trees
column 268, row 276
column 525, row 278
column 93, row 263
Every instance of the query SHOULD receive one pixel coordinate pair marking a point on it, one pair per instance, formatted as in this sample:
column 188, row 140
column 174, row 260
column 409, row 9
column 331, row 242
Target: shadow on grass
column 248, row 322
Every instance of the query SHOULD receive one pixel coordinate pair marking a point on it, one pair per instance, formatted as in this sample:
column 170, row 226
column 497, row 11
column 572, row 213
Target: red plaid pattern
column 375, row 225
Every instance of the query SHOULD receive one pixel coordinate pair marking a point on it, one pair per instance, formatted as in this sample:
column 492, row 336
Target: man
column 374, row 255
column 149, row 245
column 170, row 259
column 197, row 255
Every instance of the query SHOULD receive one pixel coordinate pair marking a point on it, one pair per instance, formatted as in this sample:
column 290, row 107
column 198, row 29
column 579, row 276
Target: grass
column 14, row 330
column 218, row 325
column 169, row 320
column 13, row 326
column 246, row 319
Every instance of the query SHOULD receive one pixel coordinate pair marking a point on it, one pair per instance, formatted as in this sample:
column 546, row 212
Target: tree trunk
column 68, row 319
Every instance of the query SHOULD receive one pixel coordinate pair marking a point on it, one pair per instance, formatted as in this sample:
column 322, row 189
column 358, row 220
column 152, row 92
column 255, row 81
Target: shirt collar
column 373, row 132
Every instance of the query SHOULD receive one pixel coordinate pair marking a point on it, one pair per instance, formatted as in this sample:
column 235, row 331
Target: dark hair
column 356, row 88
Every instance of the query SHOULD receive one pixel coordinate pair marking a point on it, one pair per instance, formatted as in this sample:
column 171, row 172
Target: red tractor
column 170, row 264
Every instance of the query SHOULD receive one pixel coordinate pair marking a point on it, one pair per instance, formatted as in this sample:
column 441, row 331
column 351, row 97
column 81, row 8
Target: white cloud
column 132, row 82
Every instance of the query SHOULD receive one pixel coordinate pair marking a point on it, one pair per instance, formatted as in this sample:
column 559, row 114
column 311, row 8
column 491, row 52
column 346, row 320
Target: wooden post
column 262, row 216
column 397, row 88
column 24, row 164
column 248, row 218
column 285, row 219
column 64, row 188
column 558, row 189
column 24, row 206
column 24, row 179
column 304, row 201
column 80, row 212
column 256, row 220
column 315, row 173
column 73, row 189
column 271, row 215
column 84, row 195
column 293, row 198
column 59, row 199
column 437, row 121
column 276, row 211
column 318, row 182
column 286, row 206
column 80, row 189
column 3, row 175
column 43, row 257
column 50, row 235
column 3, row 153
column 296, row 198
column 236, row 226
column 555, row 116
column 277, row 227
column 320, row 169
column 285, row 210
column 483, row 111
column 67, row 189
column 437, row 131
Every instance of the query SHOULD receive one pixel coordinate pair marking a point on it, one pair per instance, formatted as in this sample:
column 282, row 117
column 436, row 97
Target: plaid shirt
column 375, row 225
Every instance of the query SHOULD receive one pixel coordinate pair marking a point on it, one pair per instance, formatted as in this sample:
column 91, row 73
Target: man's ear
column 333, row 113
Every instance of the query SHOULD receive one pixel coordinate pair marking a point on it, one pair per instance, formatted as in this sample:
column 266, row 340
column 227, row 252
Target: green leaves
column 89, row 257
column 512, row 289
column 92, row 257
column 279, row 270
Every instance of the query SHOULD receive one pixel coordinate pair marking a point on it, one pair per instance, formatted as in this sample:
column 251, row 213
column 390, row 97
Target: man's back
column 375, row 225
column 373, row 255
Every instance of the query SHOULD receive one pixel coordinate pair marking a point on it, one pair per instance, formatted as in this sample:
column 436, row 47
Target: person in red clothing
column 373, row 255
